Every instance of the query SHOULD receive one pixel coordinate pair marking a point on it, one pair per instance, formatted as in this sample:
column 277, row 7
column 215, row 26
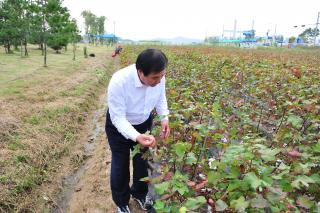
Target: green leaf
column 159, row 205
column 235, row 184
column 273, row 197
column 181, row 187
column 316, row 148
column 183, row 210
column 145, row 179
column 180, row 149
column 191, row 159
column 240, row 204
column 252, row 180
column 234, row 172
column 279, row 176
column 195, row 203
column 305, row 202
column 285, row 185
column 221, row 205
column 269, row 154
column 161, row 188
column 316, row 178
column 213, row 177
column 136, row 150
column 296, row 121
column 302, row 180
column 300, row 168
column 259, row 202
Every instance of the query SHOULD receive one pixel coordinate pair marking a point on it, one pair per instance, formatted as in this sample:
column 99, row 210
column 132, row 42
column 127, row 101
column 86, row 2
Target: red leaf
column 294, row 153
column 168, row 176
column 191, row 183
column 201, row 185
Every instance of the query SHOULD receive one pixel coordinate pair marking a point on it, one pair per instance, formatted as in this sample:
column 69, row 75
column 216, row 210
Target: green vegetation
column 36, row 22
column 244, row 130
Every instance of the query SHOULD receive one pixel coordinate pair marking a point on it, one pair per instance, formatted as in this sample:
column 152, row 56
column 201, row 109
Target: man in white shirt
column 133, row 93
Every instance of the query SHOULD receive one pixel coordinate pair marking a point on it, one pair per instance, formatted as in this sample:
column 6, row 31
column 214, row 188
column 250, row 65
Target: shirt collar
column 137, row 81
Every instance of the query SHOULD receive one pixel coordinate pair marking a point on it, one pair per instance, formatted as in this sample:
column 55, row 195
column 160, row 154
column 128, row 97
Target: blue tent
column 107, row 36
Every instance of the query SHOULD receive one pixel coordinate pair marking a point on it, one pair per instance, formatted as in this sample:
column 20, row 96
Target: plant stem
column 283, row 114
column 259, row 120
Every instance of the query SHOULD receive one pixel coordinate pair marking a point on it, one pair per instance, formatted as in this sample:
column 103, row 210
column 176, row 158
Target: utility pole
column 114, row 31
column 222, row 31
column 316, row 30
column 235, row 29
column 275, row 32
column 44, row 26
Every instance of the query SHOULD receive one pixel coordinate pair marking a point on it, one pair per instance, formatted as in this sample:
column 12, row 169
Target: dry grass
column 42, row 111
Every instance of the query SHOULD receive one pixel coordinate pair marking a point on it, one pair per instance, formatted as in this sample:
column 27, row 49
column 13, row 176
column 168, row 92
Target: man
column 117, row 51
column 133, row 93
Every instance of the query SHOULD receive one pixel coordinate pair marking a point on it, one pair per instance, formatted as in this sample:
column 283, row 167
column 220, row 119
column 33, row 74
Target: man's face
column 152, row 79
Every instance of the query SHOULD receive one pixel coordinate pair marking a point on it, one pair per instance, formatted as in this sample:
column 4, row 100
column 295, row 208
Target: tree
column 212, row 39
column 100, row 23
column 36, row 23
column 309, row 34
column 61, row 30
column 292, row 39
column 75, row 37
column 94, row 25
column 58, row 20
column 12, row 23
column 90, row 24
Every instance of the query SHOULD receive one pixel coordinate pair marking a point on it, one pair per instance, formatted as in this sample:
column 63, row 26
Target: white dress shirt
column 130, row 102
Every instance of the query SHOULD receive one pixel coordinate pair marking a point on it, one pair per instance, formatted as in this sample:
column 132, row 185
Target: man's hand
column 146, row 140
column 165, row 129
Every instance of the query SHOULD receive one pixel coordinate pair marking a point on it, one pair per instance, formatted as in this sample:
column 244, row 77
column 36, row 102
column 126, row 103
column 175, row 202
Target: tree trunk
column 25, row 47
column 21, row 48
column 45, row 55
column 85, row 52
column 8, row 47
column 16, row 46
column 74, row 51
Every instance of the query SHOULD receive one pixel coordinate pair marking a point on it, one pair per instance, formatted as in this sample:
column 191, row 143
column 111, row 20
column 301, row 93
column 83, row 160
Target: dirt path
column 87, row 189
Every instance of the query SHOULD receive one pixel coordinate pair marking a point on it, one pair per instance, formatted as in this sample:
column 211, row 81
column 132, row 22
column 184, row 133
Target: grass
column 42, row 110
column 17, row 74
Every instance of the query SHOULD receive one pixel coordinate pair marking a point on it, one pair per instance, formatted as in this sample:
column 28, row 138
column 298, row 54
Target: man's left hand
column 165, row 129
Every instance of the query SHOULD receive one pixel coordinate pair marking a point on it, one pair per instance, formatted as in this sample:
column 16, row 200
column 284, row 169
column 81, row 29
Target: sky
column 197, row 19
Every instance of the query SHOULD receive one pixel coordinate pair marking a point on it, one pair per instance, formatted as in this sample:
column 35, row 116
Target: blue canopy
column 107, row 36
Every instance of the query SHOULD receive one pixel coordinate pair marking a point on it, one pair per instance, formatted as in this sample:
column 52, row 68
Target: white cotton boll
column 202, row 176
column 211, row 166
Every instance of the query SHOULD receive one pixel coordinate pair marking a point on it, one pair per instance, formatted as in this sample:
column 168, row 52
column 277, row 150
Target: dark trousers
column 120, row 174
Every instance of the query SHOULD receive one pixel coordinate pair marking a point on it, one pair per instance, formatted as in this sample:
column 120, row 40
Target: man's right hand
column 146, row 140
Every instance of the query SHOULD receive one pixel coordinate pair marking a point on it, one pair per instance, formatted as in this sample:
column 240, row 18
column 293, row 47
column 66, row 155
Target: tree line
column 94, row 25
column 40, row 22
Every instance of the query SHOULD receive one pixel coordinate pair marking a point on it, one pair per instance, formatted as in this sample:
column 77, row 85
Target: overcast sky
column 149, row 19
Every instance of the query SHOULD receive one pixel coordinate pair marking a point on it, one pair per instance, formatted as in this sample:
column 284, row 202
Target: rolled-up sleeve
column 117, row 110
column 162, row 105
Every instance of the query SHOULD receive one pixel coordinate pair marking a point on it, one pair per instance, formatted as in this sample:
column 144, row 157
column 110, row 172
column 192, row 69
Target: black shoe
column 123, row 209
column 144, row 203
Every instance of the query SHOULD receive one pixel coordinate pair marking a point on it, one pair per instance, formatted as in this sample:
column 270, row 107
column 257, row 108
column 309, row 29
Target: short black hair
column 151, row 61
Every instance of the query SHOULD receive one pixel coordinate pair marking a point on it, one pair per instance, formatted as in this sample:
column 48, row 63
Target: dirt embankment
column 44, row 129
